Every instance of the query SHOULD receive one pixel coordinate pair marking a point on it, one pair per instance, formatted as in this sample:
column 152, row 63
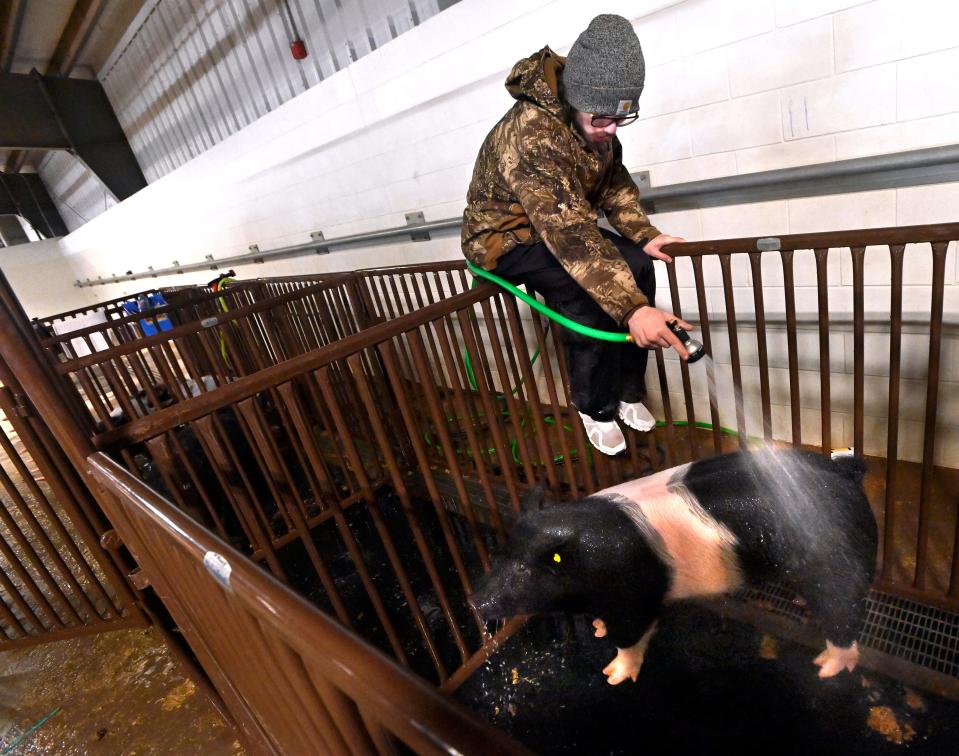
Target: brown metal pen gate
column 55, row 580
column 295, row 680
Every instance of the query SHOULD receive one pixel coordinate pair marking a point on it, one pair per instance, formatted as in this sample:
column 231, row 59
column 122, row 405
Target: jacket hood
column 536, row 79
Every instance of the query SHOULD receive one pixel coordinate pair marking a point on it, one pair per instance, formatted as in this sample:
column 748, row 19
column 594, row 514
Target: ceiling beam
column 24, row 194
column 75, row 36
column 11, row 22
column 52, row 112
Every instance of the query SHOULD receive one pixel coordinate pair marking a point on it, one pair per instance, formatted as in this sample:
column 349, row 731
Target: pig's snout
column 494, row 596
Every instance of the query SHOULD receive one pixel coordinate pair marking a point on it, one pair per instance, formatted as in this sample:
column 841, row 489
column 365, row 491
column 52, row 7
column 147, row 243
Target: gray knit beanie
column 605, row 70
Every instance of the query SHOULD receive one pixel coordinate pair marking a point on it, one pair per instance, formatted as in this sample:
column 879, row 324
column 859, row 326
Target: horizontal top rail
column 408, row 706
column 49, row 319
column 936, row 232
column 427, row 267
column 95, row 358
column 132, row 318
column 244, row 387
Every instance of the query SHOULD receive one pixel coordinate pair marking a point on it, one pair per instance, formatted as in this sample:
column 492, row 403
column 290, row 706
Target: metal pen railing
column 294, row 680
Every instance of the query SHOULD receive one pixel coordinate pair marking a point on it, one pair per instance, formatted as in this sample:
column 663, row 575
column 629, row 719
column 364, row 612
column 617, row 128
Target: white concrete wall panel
column 783, row 57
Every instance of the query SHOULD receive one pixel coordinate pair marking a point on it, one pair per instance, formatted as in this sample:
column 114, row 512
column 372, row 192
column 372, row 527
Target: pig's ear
column 534, row 500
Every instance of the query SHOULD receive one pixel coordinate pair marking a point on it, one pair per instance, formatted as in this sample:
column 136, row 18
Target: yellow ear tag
column 557, row 558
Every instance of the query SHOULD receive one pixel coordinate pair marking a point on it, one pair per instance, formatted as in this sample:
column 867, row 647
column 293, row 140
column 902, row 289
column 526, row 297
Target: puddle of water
column 118, row 692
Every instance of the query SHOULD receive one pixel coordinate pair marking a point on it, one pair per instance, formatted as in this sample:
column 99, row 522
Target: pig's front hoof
column 626, row 665
column 600, row 628
column 834, row 659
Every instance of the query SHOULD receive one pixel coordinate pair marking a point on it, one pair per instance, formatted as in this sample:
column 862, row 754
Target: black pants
column 601, row 373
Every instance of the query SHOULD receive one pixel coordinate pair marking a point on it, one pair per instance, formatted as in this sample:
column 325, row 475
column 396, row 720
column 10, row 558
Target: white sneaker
column 636, row 416
column 607, row 437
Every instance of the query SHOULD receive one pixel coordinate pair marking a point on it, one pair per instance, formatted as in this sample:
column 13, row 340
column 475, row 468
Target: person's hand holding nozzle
column 695, row 349
column 650, row 328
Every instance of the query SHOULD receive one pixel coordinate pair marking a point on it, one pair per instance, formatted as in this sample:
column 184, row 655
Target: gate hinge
column 139, row 580
column 22, row 405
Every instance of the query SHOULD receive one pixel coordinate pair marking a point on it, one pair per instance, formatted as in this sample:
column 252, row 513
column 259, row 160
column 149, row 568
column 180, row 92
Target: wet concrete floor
column 708, row 685
column 117, row 693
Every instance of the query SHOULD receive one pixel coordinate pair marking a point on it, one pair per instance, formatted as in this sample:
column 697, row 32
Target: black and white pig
column 701, row 529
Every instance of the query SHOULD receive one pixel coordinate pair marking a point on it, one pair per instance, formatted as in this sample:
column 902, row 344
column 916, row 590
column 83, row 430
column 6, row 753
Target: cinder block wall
column 733, row 86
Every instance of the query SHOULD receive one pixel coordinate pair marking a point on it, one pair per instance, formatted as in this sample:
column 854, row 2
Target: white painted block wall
column 733, row 86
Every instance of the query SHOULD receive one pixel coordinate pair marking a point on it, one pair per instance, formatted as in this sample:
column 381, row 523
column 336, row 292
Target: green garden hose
column 594, row 333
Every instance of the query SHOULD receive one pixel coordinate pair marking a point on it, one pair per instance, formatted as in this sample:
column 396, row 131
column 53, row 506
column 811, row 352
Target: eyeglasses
column 602, row 121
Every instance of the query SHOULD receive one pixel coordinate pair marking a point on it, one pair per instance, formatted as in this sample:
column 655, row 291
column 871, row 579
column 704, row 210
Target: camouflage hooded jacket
column 537, row 180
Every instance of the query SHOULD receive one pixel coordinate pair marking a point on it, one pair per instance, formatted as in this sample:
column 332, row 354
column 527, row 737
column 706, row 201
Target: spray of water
column 793, row 488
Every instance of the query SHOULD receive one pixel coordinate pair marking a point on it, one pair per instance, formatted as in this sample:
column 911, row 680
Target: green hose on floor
column 595, row 333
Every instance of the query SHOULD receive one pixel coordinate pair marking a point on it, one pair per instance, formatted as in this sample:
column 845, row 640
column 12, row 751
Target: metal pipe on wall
column 912, row 168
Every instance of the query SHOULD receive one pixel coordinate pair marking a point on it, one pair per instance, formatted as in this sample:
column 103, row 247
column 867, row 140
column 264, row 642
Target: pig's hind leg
column 839, row 604
column 834, row 659
column 835, row 576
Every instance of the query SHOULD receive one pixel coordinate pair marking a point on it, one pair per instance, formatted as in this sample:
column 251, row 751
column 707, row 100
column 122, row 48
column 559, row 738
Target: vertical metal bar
column 387, row 351
column 93, row 396
column 859, row 327
column 373, row 506
column 691, row 434
column 236, row 486
column 10, row 591
column 184, row 459
column 13, row 625
column 422, row 546
column 794, row 398
column 554, row 403
column 14, row 562
column 508, row 395
column 313, row 453
column 932, row 399
column 708, row 344
column 755, row 262
column 667, row 408
column 343, row 527
column 585, row 448
column 38, row 534
column 529, row 383
column 725, row 262
column 479, row 452
column 493, row 419
column 892, row 441
column 416, row 344
column 57, row 485
column 274, row 472
column 825, row 365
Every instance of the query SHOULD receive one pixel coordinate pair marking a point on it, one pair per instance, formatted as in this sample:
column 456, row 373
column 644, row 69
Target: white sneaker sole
column 611, row 451
column 641, row 427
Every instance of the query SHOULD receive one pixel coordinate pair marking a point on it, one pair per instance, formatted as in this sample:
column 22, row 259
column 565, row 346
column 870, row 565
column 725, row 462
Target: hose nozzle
column 695, row 349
